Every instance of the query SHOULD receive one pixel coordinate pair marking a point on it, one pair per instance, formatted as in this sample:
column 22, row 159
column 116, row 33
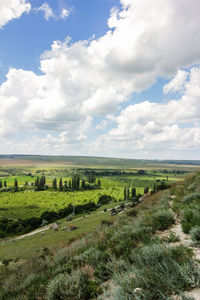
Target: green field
column 29, row 203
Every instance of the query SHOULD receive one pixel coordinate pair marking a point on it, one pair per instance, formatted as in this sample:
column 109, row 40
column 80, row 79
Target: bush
column 195, row 234
column 105, row 199
column 103, row 272
column 74, row 286
column 173, row 238
column 158, row 272
column 191, row 218
column 191, row 197
column 106, row 223
column 163, row 219
column 131, row 213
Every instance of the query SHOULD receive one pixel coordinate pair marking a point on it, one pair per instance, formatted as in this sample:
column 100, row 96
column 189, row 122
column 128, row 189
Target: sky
column 115, row 78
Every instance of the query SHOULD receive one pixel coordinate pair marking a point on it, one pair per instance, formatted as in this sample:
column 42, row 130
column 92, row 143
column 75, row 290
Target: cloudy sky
column 114, row 78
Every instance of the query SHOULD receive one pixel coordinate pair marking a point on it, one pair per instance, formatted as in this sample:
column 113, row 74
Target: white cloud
column 48, row 12
column 156, row 127
column 65, row 13
column 12, row 9
column 93, row 78
column 177, row 83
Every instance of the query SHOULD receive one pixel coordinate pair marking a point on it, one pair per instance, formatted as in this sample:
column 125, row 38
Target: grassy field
column 31, row 246
column 30, row 203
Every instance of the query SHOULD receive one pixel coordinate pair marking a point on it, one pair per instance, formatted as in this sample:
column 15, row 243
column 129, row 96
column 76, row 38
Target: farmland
column 29, row 203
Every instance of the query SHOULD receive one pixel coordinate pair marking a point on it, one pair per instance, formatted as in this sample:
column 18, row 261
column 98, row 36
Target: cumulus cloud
column 12, row 9
column 152, row 127
column 177, row 83
column 48, row 12
column 92, row 78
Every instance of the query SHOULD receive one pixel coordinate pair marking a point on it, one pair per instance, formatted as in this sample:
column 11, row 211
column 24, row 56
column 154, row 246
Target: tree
column 125, row 196
column 146, row 189
column 60, row 185
column 99, row 183
column 1, row 184
column 54, row 184
column 5, row 183
column 37, row 182
column 83, row 184
column 65, row 185
column 15, row 183
column 128, row 194
column 133, row 193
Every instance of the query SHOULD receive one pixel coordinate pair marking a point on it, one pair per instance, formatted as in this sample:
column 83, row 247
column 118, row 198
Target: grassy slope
column 112, row 251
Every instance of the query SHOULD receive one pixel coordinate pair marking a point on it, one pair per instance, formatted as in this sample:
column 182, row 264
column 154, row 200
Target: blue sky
column 104, row 78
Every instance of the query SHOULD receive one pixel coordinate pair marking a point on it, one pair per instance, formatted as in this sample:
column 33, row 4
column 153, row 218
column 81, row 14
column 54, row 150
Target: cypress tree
column 16, row 183
column 133, row 193
column 60, row 185
column 83, row 184
column 125, row 193
column 128, row 194
column 1, row 184
column 99, row 183
column 5, row 183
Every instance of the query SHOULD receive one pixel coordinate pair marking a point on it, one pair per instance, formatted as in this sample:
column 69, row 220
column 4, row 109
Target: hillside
column 148, row 252
column 97, row 162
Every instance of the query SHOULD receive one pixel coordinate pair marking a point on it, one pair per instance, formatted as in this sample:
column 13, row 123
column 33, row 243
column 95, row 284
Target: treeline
column 74, row 184
column 130, row 193
column 113, row 172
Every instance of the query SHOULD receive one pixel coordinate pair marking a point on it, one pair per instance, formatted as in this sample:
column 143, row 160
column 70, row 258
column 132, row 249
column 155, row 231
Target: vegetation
column 116, row 249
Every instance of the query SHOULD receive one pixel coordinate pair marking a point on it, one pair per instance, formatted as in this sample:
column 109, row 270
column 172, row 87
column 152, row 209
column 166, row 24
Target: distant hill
column 91, row 161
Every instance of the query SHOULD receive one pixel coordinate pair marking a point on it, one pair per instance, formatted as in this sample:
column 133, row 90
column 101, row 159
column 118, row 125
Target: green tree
column 54, row 184
column 1, row 184
column 5, row 183
column 133, row 193
column 125, row 196
column 99, row 183
column 83, row 184
column 60, row 185
column 16, row 183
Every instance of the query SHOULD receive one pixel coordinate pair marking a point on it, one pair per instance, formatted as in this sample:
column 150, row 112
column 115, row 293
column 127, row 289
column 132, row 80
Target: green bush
column 191, row 197
column 131, row 213
column 191, row 218
column 158, row 272
column 74, row 286
column 103, row 272
column 106, row 223
column 163, row 219
column 195, row 234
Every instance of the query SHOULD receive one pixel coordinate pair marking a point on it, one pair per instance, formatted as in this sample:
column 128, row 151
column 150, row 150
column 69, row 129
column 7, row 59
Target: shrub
column 106, row 223
column 131, row 213
column 173, row 238
column 158, row 272
column 195, row 234
column 163, row 219
column 103, row 272
column 191, row 197
column 74, row 286
column 191, row 218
